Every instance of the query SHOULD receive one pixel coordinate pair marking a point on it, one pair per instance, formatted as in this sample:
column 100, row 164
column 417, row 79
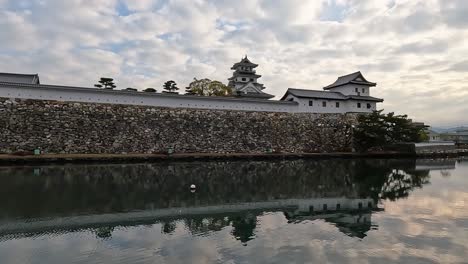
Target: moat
column 291, row 211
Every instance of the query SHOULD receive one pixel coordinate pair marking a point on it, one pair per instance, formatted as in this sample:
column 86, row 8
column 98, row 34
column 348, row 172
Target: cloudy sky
column 417, row 51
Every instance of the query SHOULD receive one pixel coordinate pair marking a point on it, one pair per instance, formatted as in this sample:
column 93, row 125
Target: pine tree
column 170, row 87
column 377, row 130
column 106, row 83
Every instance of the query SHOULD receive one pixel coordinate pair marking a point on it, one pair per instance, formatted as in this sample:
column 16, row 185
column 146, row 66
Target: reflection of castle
column 350, row 216
column 352, row 213
column 438, row 164
column 229, row 194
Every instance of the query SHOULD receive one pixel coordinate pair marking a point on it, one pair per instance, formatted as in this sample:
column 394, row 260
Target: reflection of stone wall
column 78, row 189
column 59, row 127
column 55, row 190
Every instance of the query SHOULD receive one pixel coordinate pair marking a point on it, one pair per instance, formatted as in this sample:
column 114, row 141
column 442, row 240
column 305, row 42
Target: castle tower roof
column 244, row 62
column 354, row 78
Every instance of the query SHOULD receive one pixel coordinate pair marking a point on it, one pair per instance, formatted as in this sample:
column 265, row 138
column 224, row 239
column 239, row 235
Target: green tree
column 197, row 87
column 189, row 91
column 106, row 83
column 377, row 130
column 207, row 87
column 217, row 88
column 150, row 90
column 170, row 87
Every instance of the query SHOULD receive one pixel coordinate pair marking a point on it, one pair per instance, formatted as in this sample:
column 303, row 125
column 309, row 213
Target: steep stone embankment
column 59, row 127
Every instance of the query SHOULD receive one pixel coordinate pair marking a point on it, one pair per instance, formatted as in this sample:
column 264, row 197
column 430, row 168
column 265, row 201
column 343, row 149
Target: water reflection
column 345, row 193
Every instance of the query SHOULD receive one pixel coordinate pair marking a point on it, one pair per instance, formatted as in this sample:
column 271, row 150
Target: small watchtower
column 353, row 84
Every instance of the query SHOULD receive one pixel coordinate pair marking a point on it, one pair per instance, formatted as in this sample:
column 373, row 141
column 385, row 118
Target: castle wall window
column 368, row 106
column 324, row 104
column 358, row 105
column 311, row 103
column 244, row 79
column 337, row 104
column 251, row 79
column 356, row 89
column 363, row 90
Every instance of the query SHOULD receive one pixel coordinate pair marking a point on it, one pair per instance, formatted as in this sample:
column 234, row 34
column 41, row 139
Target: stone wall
column 67, row 127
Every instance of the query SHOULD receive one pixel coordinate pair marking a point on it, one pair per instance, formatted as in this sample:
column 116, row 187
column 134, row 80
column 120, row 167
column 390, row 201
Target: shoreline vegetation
column 9, row 159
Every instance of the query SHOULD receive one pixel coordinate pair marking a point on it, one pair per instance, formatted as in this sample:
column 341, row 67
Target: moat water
column 293, row 211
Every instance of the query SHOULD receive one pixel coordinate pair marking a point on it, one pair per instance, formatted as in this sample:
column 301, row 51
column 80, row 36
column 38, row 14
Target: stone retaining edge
column 6, row 159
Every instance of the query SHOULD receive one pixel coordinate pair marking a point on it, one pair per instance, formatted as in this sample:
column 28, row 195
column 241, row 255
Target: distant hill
column 449, row 130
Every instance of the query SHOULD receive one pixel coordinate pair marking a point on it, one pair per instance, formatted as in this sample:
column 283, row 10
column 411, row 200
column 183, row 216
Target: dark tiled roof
column 244, row 62
column 327, row 95
column 246, row 75
column 364, row 98
column 355, row 78
column 19, row 78
column 257, row 95
column 314, row 94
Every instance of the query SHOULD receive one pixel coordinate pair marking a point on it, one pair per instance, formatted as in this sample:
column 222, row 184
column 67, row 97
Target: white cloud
column 408, row 47
column 140, row 5
column 16, row 32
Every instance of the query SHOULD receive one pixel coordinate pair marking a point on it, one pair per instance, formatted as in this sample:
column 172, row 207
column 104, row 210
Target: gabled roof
column 303, row 93
column 258, row 91
column 313, row 94
column 19, row 78
column 244, row 62
column 355, row 78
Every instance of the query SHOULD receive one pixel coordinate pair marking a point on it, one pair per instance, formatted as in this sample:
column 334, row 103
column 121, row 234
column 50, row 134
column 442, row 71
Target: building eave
column 341, row 97
column 239, row 74
column 31, row 78
column 256, row 95
column 239, row 64
column 371, row 84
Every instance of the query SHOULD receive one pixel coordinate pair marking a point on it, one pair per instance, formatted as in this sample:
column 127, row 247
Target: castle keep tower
column 244, row 80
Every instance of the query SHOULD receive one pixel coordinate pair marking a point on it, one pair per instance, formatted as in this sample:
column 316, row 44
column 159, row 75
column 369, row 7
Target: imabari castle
column 348, row 94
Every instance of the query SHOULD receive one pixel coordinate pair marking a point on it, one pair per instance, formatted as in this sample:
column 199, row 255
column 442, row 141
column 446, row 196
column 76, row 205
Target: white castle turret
column 244, row 80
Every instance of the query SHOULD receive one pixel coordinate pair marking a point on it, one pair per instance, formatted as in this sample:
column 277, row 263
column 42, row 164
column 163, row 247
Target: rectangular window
column 358, row 105
column 368, row 106
column 311, row 103
column 356, row 89
column 363, row 90
column 324, row 104
column 243, row 79
column 337, row 104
